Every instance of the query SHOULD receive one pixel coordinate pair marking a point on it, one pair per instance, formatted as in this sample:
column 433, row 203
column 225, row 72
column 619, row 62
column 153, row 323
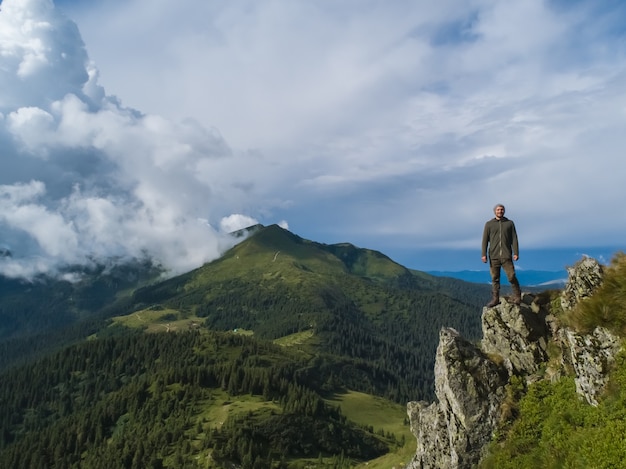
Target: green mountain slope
column 39, row 315
column 44, row 304
column 355, row 303
column 174, row 400
column 348, row 302
column 266, row 348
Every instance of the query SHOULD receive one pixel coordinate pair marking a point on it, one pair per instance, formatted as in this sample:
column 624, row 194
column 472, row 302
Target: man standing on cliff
column 500, row 237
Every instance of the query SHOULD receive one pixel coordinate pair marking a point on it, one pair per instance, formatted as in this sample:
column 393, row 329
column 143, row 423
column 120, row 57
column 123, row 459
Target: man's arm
column 485, row 242
column 514, row 242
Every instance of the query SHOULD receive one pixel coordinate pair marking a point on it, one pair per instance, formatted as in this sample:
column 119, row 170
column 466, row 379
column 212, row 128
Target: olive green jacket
column 501, row 238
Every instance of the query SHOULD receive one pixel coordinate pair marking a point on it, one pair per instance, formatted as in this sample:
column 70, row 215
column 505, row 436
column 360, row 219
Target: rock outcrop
column 470, row 381
column 590, row 355
column 518, row 334
column 470, row 389
column 583, row 279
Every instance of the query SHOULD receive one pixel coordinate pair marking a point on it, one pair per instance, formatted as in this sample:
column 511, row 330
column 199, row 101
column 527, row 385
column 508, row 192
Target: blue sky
column 146, row 127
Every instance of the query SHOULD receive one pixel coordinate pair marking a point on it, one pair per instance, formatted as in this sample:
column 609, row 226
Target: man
column 500, row 237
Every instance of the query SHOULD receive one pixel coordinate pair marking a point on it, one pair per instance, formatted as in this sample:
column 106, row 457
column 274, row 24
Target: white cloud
column 88, row 178
column 236, row 222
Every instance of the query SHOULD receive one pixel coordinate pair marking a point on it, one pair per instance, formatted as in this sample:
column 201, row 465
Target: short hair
column 498, row 205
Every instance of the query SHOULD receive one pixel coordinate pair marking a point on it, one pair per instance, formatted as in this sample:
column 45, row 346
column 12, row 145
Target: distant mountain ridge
column 528, row 278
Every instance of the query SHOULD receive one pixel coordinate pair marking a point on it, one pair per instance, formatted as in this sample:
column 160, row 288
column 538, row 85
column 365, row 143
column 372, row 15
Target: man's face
column 499, row 211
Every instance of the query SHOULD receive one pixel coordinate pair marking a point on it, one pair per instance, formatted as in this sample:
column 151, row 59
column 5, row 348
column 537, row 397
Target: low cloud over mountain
column 84, row 177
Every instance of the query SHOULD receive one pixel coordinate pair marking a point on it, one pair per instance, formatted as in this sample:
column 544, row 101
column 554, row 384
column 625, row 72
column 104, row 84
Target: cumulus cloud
column 85, row 178
column 236, row 222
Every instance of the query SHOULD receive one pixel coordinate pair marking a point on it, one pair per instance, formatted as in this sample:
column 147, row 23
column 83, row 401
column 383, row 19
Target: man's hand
column 515, row 257
column 484, row 258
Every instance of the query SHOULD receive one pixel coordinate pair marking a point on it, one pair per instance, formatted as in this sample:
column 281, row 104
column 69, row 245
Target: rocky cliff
column 526, row 342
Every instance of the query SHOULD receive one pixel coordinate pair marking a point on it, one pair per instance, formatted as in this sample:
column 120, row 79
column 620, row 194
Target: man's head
column 498, row 210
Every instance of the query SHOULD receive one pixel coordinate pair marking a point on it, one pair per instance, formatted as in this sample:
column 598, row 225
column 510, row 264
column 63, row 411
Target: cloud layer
column 83, row 177
column 393, row 125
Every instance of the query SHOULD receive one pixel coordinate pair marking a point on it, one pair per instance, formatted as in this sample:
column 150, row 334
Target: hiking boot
column 517, row 295
column 494, row 301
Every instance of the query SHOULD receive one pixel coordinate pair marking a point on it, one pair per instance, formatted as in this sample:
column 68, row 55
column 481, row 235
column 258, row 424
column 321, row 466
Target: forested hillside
column 249, row 353
column 356, row 303
column 44, row 304
column 40, row 314
column 155, row 400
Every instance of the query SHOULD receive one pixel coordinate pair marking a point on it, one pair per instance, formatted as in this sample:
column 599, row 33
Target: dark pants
column 509, row 270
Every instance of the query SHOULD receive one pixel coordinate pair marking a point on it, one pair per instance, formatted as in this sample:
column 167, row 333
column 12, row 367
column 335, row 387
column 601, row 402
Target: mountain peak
column 314, row 256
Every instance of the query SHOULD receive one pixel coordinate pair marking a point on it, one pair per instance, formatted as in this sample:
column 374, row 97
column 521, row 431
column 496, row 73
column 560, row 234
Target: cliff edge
column 524, row 342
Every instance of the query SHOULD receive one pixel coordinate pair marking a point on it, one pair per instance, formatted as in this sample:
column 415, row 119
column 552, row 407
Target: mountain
column 40, row 314
column 348, row 301
column 528, row 278
column 275, row 355
column 273, row 283
column 55, row 302
column 287, row 353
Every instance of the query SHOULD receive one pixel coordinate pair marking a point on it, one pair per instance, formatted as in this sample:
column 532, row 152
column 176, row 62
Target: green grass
column 298, row 338
column 381, row 415
column 363, row 409
column 222, row 406
column 556, row 429
column 168, row 320
column 607, row 306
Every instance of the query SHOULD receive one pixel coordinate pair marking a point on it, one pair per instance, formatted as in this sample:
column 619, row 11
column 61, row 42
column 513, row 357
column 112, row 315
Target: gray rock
column 428, row 424
column 583, row 279
column 470, row 389
column 591, row 356
column 517, row 334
